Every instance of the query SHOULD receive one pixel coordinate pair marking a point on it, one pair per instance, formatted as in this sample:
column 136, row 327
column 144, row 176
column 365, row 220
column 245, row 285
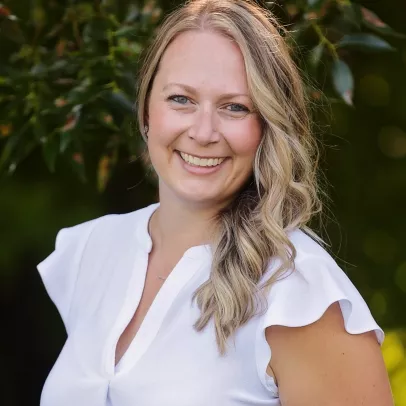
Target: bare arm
column 322, row 365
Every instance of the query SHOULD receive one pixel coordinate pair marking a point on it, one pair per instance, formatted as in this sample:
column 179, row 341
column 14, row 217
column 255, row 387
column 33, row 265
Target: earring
column 146, row 128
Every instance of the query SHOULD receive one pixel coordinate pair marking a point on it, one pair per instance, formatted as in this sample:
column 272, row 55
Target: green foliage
column 67, row 82
column 68, row 85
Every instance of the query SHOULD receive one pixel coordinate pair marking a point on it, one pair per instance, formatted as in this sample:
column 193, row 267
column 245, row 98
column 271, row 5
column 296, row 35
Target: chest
column 163, row 359
column 153, row 283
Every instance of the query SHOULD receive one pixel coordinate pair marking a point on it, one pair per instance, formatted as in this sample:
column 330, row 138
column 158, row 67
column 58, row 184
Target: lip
column 200, row 170
column 200, row 156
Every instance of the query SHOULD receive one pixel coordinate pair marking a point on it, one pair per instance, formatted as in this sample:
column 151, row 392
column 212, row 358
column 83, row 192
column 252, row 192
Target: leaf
column 38, row 129
column 343, row 80
column 119, row 99
column 12, row 142
column 133, row 13
column 71, row 125
column 38, row 17
column 372, row 21
column 365, row 42
column 352, row 14
column 96, row 30
column 11, row 29
column 126, row 31
column 4, row 11
column 312, row 3
column 50, row 150
column 78, row 165
column 316, row 54
column 107, row 120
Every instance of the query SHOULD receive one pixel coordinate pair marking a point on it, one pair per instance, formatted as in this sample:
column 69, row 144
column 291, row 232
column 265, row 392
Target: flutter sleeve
column 60, row 269
column 302, row 297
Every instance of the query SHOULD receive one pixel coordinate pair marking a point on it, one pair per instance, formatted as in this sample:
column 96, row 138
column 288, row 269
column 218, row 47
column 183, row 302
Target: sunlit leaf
column 365, row 42
column 343, row 80
column 5, row 129
column 316, row 54
column 103, row 172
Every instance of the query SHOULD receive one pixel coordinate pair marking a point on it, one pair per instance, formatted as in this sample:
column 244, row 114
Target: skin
column 204, row 121
column 322, row 365
column 319, row 364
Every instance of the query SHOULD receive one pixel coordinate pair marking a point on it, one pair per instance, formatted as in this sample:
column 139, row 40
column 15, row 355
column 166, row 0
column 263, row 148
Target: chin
column 200, row 199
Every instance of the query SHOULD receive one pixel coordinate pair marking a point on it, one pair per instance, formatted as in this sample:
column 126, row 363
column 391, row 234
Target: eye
column 239, row 108
column 178, row 98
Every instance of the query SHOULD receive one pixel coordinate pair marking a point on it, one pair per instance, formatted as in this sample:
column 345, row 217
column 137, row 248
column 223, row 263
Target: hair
column 282, row 194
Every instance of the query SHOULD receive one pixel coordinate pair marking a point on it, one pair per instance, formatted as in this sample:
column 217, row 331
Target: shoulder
column 321, row 363
column 88, row 246
column 322, row 335
column 105, row 228
column 303, row 294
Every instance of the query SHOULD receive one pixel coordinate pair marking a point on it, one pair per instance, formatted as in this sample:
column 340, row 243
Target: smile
column 193, row 160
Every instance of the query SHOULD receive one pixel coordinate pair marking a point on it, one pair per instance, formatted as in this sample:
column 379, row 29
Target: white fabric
column 95, row 277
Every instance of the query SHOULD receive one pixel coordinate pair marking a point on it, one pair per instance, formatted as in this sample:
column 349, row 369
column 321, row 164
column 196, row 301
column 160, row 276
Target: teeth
column 201, row 161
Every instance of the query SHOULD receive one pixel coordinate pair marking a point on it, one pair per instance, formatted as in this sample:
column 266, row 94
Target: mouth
column 201, row 162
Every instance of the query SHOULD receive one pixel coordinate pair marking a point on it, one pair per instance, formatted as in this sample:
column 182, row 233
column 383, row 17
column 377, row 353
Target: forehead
column 203, row 59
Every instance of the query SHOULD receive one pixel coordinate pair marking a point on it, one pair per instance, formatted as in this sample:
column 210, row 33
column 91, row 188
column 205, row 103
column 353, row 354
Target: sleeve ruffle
column 60, row 269
column 302, row 297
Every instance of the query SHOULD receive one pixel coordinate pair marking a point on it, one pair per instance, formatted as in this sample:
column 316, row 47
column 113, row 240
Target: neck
column 177, row 226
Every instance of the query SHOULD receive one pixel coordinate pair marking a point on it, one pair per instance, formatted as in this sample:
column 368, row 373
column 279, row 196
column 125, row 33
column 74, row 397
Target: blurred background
column 70, row 151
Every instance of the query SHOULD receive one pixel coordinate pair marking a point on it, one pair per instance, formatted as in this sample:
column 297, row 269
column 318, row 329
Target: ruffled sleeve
column 60, row 269
column 302, row 297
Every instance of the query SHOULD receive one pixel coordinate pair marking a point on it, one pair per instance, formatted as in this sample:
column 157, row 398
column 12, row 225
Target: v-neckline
column 150, row 325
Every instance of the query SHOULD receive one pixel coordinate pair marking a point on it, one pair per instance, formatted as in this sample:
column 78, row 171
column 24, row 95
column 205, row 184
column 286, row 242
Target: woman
column 184, row 302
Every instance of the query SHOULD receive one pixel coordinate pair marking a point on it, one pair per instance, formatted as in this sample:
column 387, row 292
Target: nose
column 204, row 129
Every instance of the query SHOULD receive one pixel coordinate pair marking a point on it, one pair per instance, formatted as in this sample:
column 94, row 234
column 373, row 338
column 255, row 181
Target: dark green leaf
column 372, row 21
column 7, row 154
column 78, row 165
column 11, row 29
column 50, row 150
column 96, row 30
column 127, row 31
column 133, row 13
column 365, row 42
column 343, row 80
column 119, row 99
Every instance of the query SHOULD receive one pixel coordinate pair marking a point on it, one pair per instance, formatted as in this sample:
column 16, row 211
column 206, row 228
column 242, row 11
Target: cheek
column 163, row 123
column 245, row 140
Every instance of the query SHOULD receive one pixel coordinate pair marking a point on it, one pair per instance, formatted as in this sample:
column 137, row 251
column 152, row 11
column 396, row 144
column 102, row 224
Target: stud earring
column 146, row 128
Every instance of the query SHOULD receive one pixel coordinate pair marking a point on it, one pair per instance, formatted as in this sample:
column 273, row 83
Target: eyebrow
column 192, row 90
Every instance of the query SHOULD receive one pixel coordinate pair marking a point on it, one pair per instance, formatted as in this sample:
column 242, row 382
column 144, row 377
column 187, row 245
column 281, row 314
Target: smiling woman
column 219, row 294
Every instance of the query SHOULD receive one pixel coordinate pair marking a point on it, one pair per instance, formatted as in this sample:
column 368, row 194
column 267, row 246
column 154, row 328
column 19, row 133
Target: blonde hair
column 282, row 194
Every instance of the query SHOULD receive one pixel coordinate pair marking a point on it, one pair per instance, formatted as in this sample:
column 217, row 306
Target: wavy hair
column 283, row 193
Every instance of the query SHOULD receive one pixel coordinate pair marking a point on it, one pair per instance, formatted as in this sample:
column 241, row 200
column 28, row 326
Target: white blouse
column 96, row 277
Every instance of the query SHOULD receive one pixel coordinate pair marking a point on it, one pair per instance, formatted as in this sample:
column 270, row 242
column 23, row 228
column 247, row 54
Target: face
column 203, row 130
